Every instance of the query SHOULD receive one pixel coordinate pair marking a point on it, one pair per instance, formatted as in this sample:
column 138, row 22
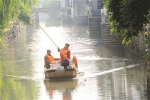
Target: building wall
column 81, row 20
column 94, row 7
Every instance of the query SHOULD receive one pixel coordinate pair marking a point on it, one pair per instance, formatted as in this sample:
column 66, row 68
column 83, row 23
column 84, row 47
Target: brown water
column 111, row 73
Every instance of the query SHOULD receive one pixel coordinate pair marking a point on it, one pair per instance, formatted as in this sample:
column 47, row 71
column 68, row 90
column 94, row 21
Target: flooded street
column 110, row 72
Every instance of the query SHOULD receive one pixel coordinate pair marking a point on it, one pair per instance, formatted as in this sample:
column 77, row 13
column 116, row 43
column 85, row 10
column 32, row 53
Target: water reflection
column 53, row 22
column 16, row 89
column 111, row 73
column 61, row 90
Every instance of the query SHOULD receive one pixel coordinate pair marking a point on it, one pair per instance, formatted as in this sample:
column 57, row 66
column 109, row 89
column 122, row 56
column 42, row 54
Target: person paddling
column 65, row 55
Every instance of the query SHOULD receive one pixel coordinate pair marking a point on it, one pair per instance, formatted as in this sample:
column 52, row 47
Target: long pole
column 52, row 40
column 47, row 35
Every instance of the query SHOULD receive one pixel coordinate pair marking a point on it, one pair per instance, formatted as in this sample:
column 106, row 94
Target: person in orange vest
column 65, row 55
column 49, row 59
column 75, row 61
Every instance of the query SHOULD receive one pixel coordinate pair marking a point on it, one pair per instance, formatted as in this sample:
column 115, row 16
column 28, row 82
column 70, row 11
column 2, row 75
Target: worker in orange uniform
column 75, row 61
column 65, row 55
column 49, row 59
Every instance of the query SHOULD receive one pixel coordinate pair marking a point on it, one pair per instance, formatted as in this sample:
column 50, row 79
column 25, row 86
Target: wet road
column 111, row 73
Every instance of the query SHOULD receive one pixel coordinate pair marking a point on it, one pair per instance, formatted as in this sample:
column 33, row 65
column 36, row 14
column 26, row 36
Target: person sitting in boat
column 65, row 55
column 49, row 59
column 73, row 63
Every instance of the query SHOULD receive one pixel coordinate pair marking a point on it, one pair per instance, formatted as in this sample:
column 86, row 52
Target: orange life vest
column 75, row 61
column 50, row 59
column 64, row 54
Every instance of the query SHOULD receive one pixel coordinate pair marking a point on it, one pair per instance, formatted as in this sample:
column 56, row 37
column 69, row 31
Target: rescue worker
column 65, row 55
column 73, row 63
column 49, row 59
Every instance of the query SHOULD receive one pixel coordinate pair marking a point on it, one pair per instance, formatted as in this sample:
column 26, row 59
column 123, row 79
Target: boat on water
column 58, row 72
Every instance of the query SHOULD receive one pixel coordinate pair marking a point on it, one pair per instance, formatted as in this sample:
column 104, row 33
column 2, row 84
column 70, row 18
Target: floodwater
column 110, row 72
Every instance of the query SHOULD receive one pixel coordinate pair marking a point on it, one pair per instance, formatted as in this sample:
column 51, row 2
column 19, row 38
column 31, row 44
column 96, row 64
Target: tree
column 127, row 17
column 51, row 3
column 14, row 10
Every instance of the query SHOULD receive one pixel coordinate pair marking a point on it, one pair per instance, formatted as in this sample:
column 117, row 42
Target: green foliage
column 51, row 3
column 25, row 10
column 127, row 17
column 147, row 56
column 2, row 45
column 14, row 10
column 1, row 63
column 147, row 37
column 3, row 14
column 24, row 15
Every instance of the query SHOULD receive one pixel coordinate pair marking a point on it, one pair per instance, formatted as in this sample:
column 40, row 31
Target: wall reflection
column 128, row 84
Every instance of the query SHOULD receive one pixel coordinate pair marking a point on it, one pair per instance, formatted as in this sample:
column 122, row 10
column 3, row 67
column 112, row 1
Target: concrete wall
column 66, row 20
column 103, row 15
column 94, row 5
column 13, row 32
column 81, row 20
